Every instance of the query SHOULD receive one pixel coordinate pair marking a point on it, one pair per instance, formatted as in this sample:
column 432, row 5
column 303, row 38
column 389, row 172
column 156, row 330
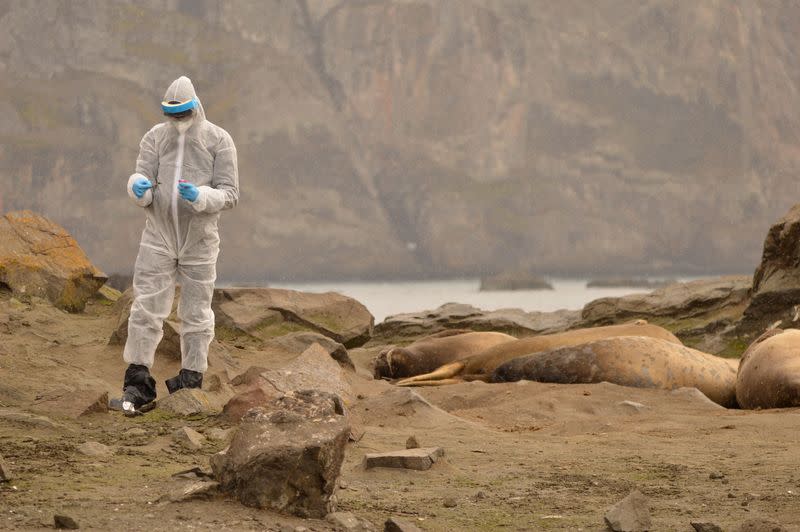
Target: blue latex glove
column 140, row 186
column 188, row 191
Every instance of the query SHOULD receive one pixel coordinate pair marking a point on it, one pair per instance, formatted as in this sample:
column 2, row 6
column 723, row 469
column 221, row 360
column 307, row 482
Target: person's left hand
column 188, row 191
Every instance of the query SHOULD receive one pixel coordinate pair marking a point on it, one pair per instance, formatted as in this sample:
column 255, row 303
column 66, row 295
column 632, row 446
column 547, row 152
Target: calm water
column 387, row 298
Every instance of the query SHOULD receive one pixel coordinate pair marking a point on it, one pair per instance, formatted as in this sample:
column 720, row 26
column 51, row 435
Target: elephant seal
column 769, row 372
column 481, row 365
column 637, row 361
column 431, row 352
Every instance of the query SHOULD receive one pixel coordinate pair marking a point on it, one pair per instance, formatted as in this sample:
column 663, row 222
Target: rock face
column 268, row 312
column 776, row 283
column 39, row 258
column 287, row 455
column 460, row 316
column 513, row 133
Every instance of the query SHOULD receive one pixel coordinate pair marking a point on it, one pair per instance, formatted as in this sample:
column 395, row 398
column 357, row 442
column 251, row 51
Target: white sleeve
column 147, row 197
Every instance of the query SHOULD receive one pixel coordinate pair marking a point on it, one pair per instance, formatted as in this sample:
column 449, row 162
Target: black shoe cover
column 185, row 379
column 139, row 387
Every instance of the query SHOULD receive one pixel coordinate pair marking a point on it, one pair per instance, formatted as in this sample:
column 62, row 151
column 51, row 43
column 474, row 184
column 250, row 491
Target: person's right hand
column 140, row 186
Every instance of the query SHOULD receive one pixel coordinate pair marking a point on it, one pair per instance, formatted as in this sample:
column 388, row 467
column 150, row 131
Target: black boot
column 185, row 379
column 138, row 389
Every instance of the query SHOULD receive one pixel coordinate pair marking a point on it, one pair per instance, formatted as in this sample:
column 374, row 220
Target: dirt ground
column 522, row 456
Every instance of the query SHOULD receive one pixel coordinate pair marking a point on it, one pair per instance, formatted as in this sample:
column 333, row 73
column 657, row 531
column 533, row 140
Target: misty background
column 389, row 139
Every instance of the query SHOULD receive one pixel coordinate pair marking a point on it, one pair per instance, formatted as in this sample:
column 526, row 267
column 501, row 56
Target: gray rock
column 264, row 313
column 314, row 369
column 420, row 459
column 190, row 401
column 397, row 524
column 64, row 522
column 93, row 448
column 348, row 522
column 5, row 471
column 459, row 316
column 705, row 526
column 187, row 491
column 287, row 455
column 188, row 438
column 631, row 514
column 678, row 301
column 300, row 341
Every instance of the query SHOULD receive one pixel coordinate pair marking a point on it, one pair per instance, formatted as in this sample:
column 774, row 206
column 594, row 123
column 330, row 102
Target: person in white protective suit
column 186, row 173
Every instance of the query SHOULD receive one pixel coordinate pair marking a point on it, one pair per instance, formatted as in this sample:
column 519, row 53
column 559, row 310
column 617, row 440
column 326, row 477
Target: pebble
column 450, row 502
column 715, row 475
column 412, row 443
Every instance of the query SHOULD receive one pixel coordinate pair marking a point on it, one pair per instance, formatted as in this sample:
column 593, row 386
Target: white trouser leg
column 153, row 291
column 195, row 314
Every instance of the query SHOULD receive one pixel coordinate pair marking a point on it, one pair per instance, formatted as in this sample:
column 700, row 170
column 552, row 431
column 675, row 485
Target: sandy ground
column 522, row 456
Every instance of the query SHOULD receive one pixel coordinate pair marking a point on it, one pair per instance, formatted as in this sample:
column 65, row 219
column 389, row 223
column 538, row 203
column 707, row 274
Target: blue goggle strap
column 172, row 108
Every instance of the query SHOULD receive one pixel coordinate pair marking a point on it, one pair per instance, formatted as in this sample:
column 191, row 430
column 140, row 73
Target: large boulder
column 265, row 313
column 776, row 283
column 287, row 455
column 39, row 258
column 314, row 369
column 678, row 301
column 515, row 322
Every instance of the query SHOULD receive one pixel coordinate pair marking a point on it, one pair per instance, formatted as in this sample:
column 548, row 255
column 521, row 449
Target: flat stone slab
column 420, row 459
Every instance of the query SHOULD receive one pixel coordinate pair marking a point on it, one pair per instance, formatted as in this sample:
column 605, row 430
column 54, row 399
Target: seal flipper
column 442, row 372
column 440, row 382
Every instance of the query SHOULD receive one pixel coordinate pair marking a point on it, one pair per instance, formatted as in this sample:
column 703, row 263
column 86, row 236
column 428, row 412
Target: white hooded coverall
column 180, row 241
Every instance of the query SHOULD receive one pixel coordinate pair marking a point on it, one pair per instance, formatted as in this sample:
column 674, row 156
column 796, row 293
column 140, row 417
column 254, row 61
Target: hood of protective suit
column 181, row 90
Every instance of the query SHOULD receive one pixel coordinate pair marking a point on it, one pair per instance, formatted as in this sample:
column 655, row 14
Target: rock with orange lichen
column 39, row 258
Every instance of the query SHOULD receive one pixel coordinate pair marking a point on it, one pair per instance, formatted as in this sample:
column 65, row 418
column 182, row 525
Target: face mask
column 182, row 125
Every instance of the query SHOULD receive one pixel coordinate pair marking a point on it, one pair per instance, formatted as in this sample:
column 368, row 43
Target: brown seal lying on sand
column 636, row 361
column 432, row 351
column 481, row 365
column 769, row 372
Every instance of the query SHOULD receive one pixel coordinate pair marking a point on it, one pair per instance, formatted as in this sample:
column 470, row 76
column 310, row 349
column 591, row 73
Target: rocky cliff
column 421, row 137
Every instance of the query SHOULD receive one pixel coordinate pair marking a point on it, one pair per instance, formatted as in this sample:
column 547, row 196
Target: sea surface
column 388, row 298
